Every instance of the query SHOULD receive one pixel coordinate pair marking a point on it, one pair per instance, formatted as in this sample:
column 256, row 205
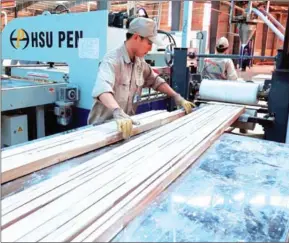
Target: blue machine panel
column 55, row 74
column 77, row 39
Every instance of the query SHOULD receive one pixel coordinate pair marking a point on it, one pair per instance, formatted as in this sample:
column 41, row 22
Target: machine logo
column 20, row 37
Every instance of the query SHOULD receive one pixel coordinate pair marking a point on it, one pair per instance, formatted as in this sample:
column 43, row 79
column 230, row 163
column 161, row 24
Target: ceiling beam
column 72, row 4
column 19, row 7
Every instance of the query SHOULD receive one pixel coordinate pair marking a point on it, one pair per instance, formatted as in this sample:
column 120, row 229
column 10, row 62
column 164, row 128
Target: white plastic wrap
column 229, row 91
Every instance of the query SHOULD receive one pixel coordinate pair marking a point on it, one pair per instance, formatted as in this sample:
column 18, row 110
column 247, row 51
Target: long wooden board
column 36, row 191
column 80, row 142
column 43, row 143
column 109, row 228
column 89, row 166
column 79, row 209
column 72, row 231
column 85, row 170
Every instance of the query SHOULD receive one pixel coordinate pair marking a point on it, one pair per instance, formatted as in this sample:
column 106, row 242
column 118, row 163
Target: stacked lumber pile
column 97, row 199
column 20, row 161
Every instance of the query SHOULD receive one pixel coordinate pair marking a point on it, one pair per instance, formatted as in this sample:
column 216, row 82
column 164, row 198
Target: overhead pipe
column 89, row 3
column 269, row 23
column 231, row 15
column 267, row 6
column 274, row 21
column 5, row 17
column 250, row 5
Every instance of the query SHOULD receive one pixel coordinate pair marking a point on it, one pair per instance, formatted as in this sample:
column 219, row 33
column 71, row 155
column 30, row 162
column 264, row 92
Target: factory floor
column 255, row 70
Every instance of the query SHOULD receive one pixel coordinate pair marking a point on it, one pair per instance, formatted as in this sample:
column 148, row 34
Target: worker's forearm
column 108, row 101
column 165, row 88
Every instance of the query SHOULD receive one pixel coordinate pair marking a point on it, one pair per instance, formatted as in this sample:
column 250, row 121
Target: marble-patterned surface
column 238, row 191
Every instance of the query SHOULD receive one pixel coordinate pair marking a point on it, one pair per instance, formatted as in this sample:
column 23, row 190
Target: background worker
column 245, row 61
column 220, row 68
column 123, row 73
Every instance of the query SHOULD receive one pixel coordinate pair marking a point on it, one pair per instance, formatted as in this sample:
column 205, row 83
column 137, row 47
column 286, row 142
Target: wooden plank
column 109, row 230
column 77, row 223
column 20, row 228
column 118, row 218
column 20, row 212
column 114, row 226
column 58, row 221
column 15, row 201
column 67, row 136
column 11, row 171
column 58, row 205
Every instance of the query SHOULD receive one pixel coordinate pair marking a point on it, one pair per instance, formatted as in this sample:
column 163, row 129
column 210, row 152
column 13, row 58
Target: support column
column 236, row 45
column 214, row 25
column 187, row 22
column 285, row 54
column 278, row 100
column 274, row 42
column 131, row 8
column 175, row 15
column 264, row 39
column 103, row 5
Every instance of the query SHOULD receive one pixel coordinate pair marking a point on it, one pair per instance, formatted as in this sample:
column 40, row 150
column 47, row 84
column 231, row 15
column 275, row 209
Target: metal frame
column 278, row 100
column 29, row 96
column 180, row 72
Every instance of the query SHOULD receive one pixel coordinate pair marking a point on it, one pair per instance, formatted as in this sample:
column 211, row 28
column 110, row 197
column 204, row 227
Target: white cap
column 222, row 43
column 145, row 27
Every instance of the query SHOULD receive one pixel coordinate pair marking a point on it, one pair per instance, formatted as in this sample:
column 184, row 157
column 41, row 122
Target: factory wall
column 273, row 42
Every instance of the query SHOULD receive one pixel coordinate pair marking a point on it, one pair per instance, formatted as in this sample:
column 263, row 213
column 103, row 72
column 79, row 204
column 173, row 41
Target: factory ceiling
column 85, row 5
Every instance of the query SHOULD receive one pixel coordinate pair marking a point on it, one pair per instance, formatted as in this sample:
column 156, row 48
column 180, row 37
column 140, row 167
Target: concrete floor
column 255, row 70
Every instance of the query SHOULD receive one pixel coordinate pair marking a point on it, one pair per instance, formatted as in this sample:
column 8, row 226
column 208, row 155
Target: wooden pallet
column 97, row 199
column 32, row 157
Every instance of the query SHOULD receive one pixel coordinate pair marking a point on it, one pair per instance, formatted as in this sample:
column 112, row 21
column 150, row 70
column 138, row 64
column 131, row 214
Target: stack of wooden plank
column 95, row 200
column 26, row 159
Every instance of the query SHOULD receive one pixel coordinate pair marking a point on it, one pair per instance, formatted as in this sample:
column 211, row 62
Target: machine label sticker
column 20, row 39
column 88, row 48
column 20, row 129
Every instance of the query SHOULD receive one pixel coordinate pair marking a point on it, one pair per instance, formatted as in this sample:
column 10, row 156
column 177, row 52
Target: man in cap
column 123, row 73
column 220, row 68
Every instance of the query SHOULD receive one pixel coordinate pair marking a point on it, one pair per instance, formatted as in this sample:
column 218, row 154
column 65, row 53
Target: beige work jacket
column 123, row 78
column 219, row 68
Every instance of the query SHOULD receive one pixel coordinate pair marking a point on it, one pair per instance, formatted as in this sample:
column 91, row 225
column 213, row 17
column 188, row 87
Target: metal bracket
column 268, row 121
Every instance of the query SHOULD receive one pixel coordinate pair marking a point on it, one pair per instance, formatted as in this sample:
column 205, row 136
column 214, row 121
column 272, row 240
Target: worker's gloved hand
column 124, row 122
column 187, row 105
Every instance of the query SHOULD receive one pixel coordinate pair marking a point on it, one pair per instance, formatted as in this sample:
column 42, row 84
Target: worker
column 220, row 68
column 245, row 60
column 123, row 73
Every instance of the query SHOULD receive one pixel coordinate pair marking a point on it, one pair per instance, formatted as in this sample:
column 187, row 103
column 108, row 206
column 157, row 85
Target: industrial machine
column 267, row 102
column 232, row 193
column 62, row 51
column 48, row 39
column 44, row 68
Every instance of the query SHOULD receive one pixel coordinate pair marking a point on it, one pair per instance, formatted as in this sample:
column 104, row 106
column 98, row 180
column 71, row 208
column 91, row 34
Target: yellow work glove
column 124, row 122
column 187, row 105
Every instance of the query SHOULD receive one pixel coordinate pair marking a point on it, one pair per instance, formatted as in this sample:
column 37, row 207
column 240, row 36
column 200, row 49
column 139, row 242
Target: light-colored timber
column 76, row 143
column 95, row 200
